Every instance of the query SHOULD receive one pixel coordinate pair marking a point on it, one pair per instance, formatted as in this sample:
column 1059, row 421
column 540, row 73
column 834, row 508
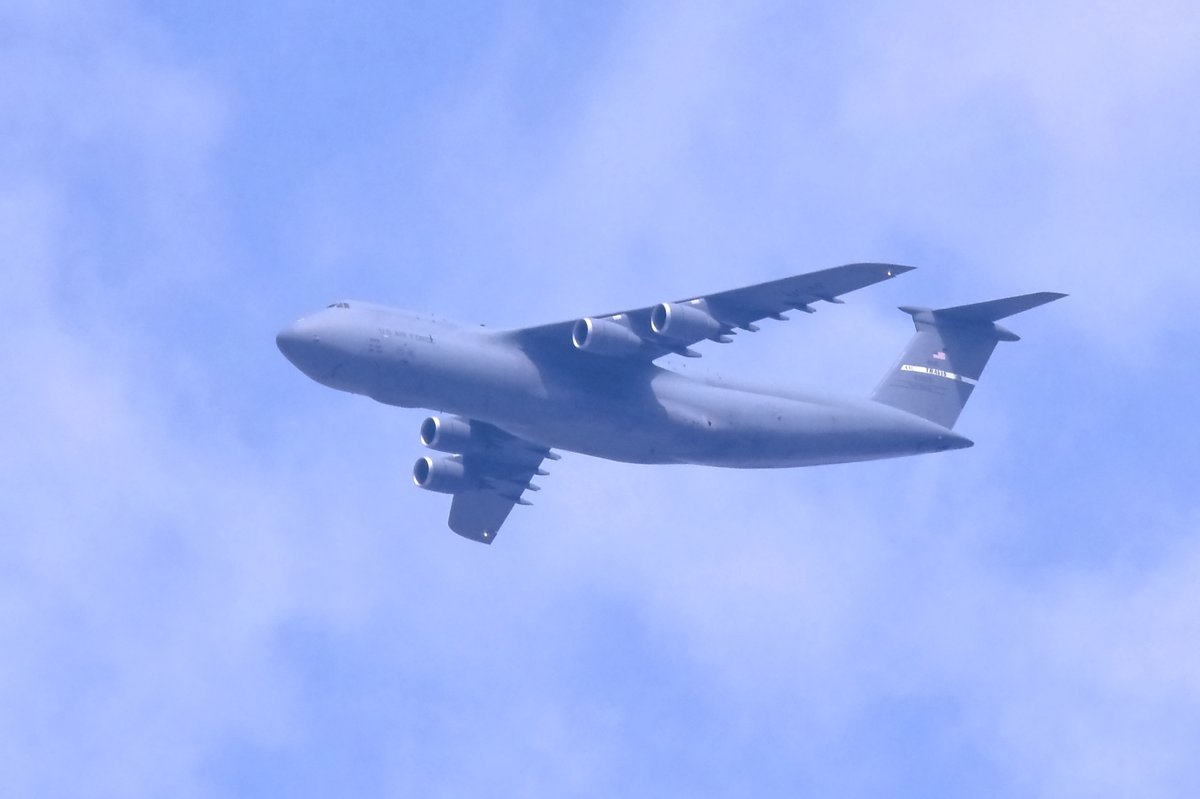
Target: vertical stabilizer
column 940, row 367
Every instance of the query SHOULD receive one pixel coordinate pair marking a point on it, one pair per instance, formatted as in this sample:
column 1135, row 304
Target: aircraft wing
column 648, row 333
column 496, row 478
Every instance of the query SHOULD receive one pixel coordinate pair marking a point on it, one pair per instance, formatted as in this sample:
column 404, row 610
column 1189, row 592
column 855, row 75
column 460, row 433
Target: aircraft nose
column 294, row 339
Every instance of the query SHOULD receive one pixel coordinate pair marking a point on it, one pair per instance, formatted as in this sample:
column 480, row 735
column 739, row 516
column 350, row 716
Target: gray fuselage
column 591, row 404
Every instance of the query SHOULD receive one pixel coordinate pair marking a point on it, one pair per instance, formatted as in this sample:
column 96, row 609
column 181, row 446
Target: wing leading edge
column 645, row 334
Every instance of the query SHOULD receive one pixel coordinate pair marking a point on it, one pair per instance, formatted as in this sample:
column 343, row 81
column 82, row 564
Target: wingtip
column 893, row 270
column 482, row 536
column 874, row 267
column 1044, row 297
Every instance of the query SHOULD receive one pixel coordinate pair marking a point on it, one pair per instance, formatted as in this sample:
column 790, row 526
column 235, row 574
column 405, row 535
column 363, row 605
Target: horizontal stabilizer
column 980, row 315
column 999, row 309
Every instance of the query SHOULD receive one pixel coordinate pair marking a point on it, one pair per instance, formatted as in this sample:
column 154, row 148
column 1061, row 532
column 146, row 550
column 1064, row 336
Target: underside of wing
column 648, row 333
column 478, row 514
column 488, row 474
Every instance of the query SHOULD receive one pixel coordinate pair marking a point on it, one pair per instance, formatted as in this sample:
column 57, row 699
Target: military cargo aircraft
column 505, row 400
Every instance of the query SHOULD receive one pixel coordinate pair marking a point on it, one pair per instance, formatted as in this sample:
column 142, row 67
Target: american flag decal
column 940, row 355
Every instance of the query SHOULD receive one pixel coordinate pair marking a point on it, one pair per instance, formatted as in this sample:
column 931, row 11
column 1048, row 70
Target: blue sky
column 216, row 578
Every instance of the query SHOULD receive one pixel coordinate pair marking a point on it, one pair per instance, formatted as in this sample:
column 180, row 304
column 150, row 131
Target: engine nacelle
column 603, row 337
column 683, row 322
column 448, row 434
column 444, row 475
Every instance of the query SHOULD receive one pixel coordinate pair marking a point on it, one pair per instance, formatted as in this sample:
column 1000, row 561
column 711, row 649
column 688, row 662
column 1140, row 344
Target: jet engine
column 444, row 475
column 683, row 322
column 603, row 337
column 448, row 434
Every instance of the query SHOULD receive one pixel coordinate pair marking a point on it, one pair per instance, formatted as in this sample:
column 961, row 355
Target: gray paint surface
column 592, row 386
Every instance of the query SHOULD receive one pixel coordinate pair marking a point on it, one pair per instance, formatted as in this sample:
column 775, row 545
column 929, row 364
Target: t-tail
column 938, row 371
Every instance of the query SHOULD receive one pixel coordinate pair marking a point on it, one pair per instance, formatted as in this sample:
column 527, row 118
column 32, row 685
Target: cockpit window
column 339, row 305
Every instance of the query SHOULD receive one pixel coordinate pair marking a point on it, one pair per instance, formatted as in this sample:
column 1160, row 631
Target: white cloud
column 132, row 635
column 807, row 599
column 157, row 565
column 1104, row 94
